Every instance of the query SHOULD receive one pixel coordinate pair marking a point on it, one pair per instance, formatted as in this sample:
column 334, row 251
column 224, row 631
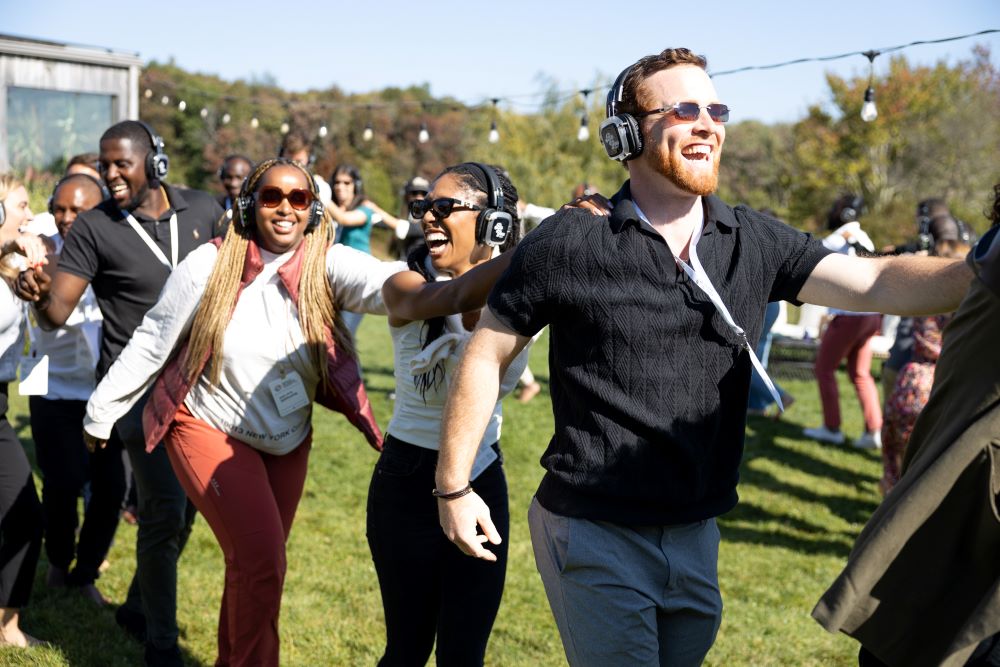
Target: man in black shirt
column 234, row 169
column 650, row 312
column 125, row 248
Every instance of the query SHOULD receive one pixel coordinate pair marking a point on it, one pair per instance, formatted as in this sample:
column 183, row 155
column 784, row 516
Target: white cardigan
column 264, row 340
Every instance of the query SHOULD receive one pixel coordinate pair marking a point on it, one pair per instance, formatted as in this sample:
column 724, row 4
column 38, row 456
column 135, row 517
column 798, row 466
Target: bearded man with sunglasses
column 650, row 312
column 126, row 248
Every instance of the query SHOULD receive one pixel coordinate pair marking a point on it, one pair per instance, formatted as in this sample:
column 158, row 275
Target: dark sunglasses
column 688, row 112
column 270, row 196
column 441, row 207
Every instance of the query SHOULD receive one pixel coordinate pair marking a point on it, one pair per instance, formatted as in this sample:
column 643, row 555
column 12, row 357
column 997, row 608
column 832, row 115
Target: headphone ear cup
column 493, row 227
column 621, row 137
column 243, row 204
column 51, row 205
column 316, row 211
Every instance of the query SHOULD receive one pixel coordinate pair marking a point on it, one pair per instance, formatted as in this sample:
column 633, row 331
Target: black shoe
column 132, row 623
column 163, row 657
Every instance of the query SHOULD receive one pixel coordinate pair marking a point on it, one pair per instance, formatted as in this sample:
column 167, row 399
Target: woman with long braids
column 430, row 590
column 20, row 511
column 247, row 333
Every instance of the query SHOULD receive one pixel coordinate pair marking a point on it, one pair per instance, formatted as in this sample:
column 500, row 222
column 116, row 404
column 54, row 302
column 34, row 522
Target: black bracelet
column 454, row 494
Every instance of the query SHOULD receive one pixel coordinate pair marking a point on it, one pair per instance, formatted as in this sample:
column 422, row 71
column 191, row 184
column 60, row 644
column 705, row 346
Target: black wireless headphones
column 493, row 224
column 105, row 193
column 851, row 208
column 925, row 241
column 157, row 162
column 620, row 134
column 244, row 202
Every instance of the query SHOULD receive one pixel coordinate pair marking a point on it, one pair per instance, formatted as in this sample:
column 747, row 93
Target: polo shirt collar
column 625, row 211
column 175, row 199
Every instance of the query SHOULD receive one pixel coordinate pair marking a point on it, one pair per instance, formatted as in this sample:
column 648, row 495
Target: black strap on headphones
column 620, row 134
column 493, row 225
column 244, row 201
column 157, row 162
column 105, row 193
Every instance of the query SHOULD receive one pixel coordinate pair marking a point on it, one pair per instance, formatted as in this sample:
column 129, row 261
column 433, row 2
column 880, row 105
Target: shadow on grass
column 751, row 523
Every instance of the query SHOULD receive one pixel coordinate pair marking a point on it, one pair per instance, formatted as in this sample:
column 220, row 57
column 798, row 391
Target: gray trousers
column 629, row 595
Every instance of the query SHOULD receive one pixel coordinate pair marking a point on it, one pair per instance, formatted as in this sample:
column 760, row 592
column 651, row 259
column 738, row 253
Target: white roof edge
column 27, row 46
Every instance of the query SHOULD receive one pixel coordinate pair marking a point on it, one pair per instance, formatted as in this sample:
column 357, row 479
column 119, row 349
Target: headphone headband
column 495, row 191
column 616, row 93
column 105, row 193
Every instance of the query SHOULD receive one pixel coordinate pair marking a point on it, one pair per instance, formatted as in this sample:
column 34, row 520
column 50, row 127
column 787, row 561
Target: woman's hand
column 596, row 203
column 30, row 246
column 93, row 443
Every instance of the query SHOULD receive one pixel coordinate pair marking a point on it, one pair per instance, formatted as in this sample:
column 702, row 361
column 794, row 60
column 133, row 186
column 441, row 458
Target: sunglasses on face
column 270, row 196
column 441, row 208
column 688, row 112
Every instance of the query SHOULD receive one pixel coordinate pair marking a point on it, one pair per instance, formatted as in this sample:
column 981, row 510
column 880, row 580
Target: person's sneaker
column 869, row 441
column 823, row 434
column 133, row 623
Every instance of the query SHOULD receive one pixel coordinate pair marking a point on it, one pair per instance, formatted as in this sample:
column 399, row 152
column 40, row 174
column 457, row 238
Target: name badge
column 34, row 376
column 289, row 394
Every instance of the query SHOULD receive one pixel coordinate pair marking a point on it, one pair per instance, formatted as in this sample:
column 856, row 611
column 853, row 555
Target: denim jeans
column 429, row 587
column 165, row 518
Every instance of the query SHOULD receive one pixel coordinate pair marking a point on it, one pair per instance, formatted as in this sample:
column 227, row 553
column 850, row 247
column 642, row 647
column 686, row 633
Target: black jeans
column 429, row 587
column 57, row 427
column 20, row 517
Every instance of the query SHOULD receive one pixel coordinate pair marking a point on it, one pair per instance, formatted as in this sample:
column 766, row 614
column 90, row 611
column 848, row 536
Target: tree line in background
column 936, row 135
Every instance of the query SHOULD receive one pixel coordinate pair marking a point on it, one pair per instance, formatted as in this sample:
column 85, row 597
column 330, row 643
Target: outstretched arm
column 409, row 297
column 470, row 403
column 901, row 285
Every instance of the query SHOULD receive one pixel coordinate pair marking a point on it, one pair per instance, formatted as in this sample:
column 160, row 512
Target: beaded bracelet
column 454, row 494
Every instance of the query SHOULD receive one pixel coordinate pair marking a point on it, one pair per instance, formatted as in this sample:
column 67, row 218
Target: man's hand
column 33, row 285
column 459, row 519
column 93, row 443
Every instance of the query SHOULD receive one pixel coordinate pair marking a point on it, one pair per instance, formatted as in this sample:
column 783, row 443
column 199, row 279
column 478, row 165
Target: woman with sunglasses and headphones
column 20, row 511
column 430, row 590
column 245, row 336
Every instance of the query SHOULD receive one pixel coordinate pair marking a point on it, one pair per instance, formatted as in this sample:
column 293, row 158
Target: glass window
column 47, row 127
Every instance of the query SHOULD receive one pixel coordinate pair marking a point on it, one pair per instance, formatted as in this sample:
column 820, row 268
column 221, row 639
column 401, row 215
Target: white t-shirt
column 11, row 332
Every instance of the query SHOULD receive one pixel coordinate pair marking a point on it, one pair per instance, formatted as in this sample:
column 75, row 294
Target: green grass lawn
column 801, row 506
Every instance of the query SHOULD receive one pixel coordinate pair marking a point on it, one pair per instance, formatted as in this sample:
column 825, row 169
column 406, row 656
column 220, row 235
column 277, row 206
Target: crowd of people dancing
column 139, row 297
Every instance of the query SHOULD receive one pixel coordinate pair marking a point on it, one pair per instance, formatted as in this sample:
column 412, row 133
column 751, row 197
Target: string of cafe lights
column 869, row 111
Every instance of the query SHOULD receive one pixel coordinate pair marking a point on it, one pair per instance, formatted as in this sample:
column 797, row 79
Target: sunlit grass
column 801, row 505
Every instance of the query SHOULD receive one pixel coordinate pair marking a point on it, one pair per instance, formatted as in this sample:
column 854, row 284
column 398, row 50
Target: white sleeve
column 152, row 344
column 356, row 278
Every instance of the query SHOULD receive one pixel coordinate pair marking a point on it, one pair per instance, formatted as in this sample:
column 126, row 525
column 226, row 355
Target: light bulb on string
column 584, row 132
column 226, row 118
column 323, row 131
column 423, row 136
column 254, row 123
column 204, row 112
column 182, row 105
column 368, row 133
column 164, row 100
column 148, row 94
column 494, row 135
column 869, row 111
column 284, row 128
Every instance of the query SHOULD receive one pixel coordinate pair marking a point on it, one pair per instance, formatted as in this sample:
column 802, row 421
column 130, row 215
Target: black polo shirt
column 127, row 277
column 649, row 385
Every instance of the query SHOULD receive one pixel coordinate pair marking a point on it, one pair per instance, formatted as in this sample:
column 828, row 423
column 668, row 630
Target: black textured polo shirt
column 127, row 277
column 649, row 385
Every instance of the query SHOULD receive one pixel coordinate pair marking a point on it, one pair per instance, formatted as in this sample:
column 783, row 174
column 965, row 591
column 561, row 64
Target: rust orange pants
column 249, row 499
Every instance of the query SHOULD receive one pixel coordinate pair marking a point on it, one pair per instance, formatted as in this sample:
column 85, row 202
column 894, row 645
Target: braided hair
column 475, row 182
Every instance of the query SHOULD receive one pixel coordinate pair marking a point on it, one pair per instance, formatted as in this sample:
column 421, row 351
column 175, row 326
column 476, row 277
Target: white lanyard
column 170, row 264
column 700, row 278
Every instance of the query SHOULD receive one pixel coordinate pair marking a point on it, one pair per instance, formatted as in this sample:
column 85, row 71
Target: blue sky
column 477, row 50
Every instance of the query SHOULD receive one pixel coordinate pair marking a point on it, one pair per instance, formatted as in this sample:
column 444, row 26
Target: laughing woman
column 257, row 337
column 429, row 588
